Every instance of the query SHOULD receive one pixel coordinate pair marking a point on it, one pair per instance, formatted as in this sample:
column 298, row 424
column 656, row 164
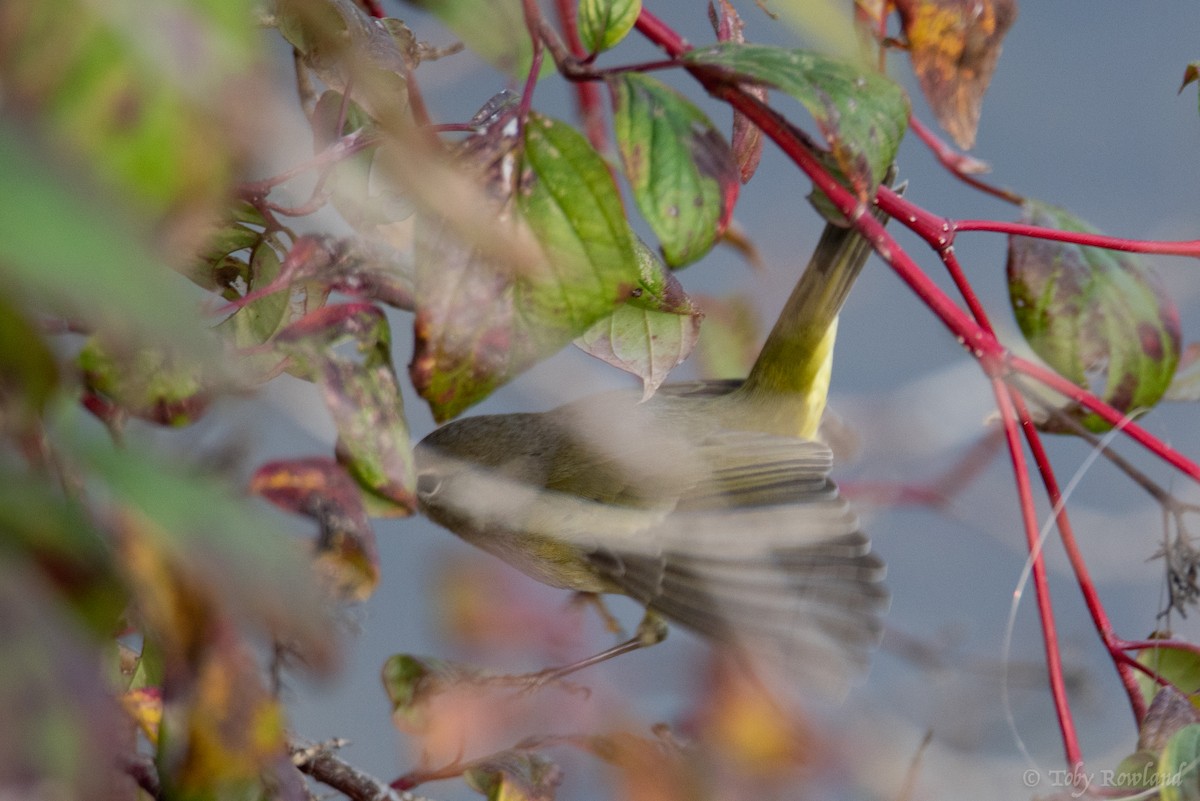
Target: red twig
column 962, row 166
column 977, row 337
column 1186, row 247
column 1087, row 587
column 587, row 94
column 1006, row 403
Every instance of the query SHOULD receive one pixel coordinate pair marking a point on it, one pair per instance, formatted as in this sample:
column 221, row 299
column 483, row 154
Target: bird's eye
column 428, row 484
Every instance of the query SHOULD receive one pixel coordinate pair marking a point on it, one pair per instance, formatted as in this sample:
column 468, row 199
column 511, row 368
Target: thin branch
column 1185, row 247
column 587, row 94
column 960, row 165
column 322, row 763
column 1011, row 417
column 1087, row 587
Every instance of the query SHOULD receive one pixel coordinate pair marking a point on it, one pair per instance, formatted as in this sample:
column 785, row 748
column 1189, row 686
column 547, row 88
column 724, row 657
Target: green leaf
column 1178, row 776
column 148, row 383
column 1178, row 666
column 603, row 23
column 152, row 115
column 651, row 333
column 481, row 321
column 861, row 114
column 681, row 169
column 102, row 275
column 62, row 728
column 362, row 395
column 1098, row 317
column 345, row 46
column 28, row 370
column 514, row 775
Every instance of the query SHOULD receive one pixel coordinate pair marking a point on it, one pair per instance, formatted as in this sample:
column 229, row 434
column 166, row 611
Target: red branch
column 1010, row 415
column 975, row 334
column 587, row 94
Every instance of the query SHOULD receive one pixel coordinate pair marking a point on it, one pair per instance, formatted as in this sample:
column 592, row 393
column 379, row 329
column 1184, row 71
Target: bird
column 710, row 503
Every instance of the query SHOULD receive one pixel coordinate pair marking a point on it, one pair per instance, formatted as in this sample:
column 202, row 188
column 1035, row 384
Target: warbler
column 709, row 503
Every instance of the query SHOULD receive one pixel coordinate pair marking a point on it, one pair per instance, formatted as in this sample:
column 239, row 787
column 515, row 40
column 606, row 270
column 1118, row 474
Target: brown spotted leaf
column 680, row 168
column 362, row 395
column 954, row 45
column 1098, row 317
column 482, row 319
column 320, row 488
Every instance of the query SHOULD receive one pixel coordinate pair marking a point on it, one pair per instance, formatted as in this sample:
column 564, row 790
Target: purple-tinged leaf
column 747, row 140
column 320, row 488
column 681, row 169
column 1098, row 317
column 362, row 395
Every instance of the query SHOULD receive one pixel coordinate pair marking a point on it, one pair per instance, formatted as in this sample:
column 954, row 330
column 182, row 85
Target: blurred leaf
column 220, row 737
column 362, row 395
column 1191, row 74
column 28, row 370
column 412, row 681
column 481, row 322
column 1098, row 317
column 1138, row 771
column 343, row 45
column 150, row 384
column 954, row 45
column 1178, row 776
column 321, row 489
column 747, row 140
column 730, row 339
column 746, row 725
column 155, row 116
column 649, row 768
column 1185, row 385
column 145, row 706
column 103, row 275
column 361, row 196
column 861, row 114
column 194, row 551
column 61, row 541
column 651, row 333
column 514, row 776
column 603, row 23
column 493, row 29
column 680, row 168
column 1169, row 712
column 62, row 728
column 824, row 22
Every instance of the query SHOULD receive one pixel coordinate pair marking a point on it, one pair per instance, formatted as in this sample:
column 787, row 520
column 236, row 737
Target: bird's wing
column 764, row 555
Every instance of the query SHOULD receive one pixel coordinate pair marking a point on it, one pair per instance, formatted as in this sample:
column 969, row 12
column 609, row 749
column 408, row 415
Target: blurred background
column 1083, row 112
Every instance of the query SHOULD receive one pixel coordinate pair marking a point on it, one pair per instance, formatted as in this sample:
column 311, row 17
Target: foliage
column 148, row 279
